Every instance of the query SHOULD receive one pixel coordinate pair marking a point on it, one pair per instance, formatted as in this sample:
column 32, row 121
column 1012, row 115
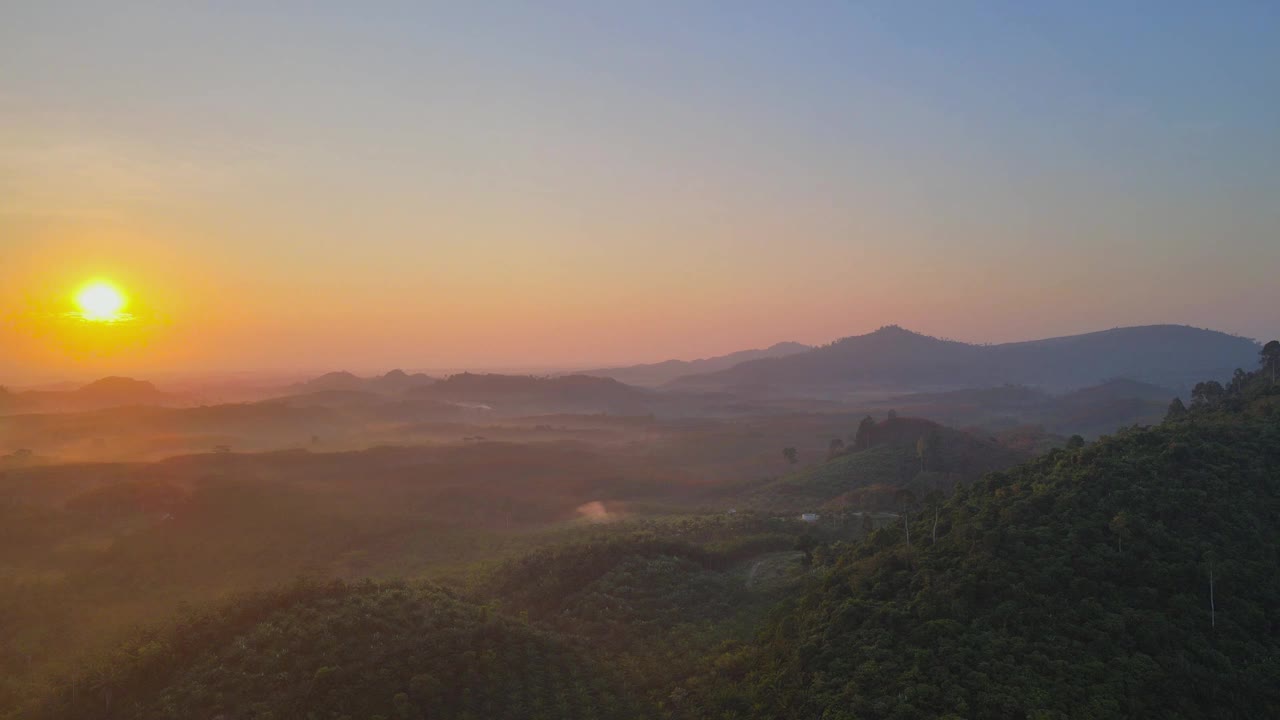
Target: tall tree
column 935, row 499
column 862, row 440
column 1120, row 527
column 791, row 454
column 927, row 449
column 1177, row 410
column 1207, row 394
column 906, row 502
column 1271, row 358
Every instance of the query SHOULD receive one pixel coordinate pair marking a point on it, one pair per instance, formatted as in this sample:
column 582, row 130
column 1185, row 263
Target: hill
column 604, row 625
column 340, row 651
column 891, row 357
column 107, row 392
column 1133, row 577
column 391, row 383
column 654, row 374
column 527, row 395
column 1089, row 411
column 880, row 460
column 77, row 541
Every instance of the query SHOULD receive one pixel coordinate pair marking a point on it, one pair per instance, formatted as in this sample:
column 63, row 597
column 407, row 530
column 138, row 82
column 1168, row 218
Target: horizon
column 268, row 377
column 518, row 186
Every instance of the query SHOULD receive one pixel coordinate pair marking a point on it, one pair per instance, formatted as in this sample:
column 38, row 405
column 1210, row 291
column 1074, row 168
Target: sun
column 100, row 301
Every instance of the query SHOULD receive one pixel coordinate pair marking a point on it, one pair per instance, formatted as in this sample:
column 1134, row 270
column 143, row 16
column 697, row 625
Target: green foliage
column 337, row 651
column 1075, row 585
column 658, row 605
column 890, row 458
column 1269, row 358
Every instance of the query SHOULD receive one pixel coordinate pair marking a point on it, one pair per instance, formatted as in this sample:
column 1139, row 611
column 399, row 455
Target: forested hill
column 1132, row 577
column 338, row 651
column 1170, row 355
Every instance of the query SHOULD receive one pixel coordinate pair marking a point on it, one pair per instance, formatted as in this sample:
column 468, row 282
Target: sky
column 314, row 186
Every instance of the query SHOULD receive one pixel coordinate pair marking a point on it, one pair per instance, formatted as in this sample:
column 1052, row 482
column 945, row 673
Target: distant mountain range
column 653, row 374
column 392, row 383
column 104, row 393
column 533, row 395
column 1090, row 411
column 1170, row 355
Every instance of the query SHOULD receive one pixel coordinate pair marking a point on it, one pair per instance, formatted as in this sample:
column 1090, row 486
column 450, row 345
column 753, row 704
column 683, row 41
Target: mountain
column 891, row 357
column 1089, row 411
column 104, row 393
column 528, row 395
column 392, row 383
column 1132, row 577
column 653, row 374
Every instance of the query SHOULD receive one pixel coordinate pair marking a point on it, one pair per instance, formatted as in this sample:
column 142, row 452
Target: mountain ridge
column 892, row 356
column 651, row 374
column 106, row 392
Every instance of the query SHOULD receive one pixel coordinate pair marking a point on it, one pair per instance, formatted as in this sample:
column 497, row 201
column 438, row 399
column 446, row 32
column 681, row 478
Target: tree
column 1120, row 527
column 1207, row 394
column 1271, row 358
column 1177, row 410
column 868, row 525
column 1209, row 557
column 927, row 449
column 893, row 414
column 906, row 501
column 1075, row 442
column 934, row 499
column 791, row 454
column 834, row 448
column 805, row 544
column 862, row 440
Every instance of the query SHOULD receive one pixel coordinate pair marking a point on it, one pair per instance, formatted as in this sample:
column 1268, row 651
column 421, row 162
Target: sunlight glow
column 100, row 301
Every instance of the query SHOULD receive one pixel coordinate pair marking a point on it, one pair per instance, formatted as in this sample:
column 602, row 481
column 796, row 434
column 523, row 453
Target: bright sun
column 100, row 301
